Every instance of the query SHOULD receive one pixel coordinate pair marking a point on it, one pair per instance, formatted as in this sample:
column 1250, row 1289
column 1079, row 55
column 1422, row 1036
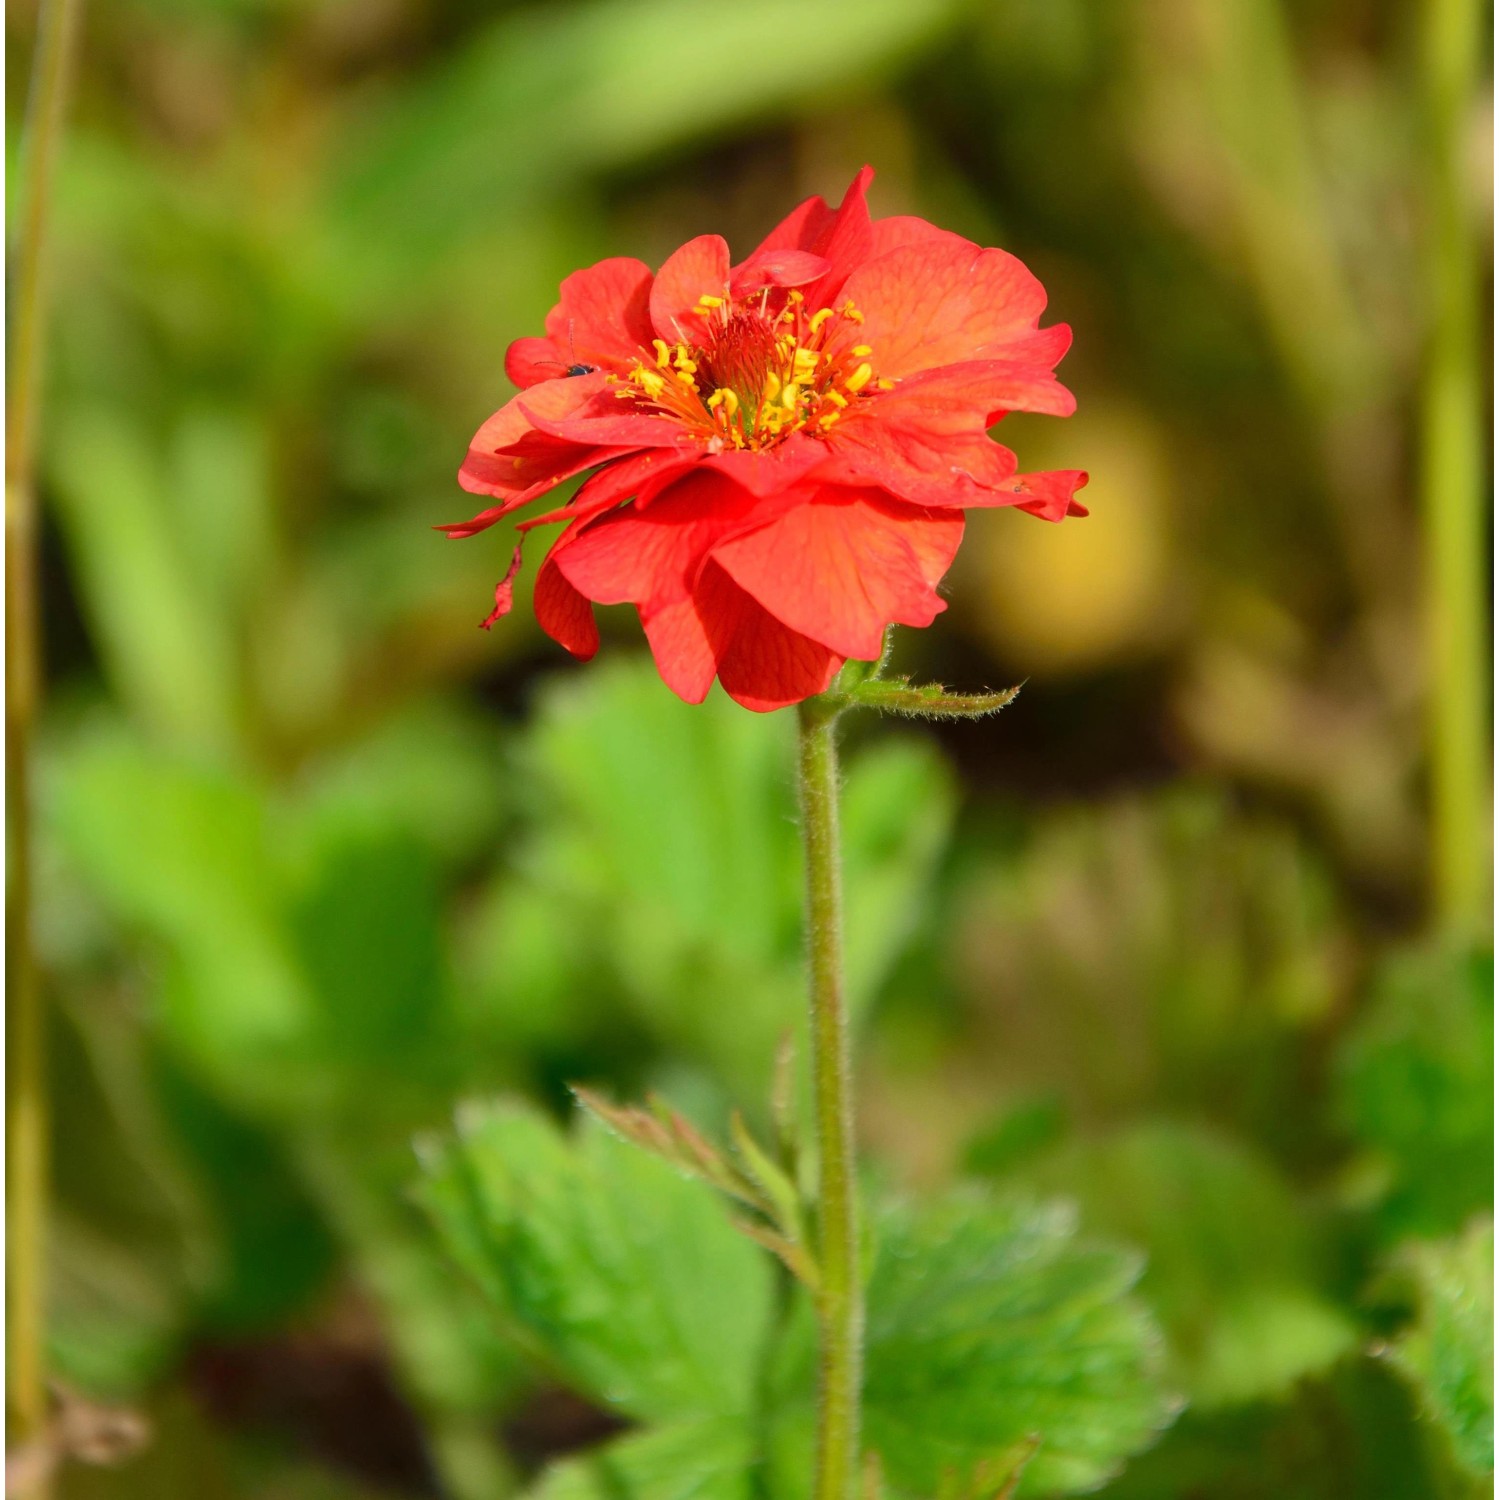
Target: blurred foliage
column 321, row 859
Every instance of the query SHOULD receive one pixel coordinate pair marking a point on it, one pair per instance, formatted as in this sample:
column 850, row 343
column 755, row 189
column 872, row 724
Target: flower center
column 757, row 376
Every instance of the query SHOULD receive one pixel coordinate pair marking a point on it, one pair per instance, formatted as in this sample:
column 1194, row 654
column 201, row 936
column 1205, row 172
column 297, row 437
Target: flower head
column 782, row 450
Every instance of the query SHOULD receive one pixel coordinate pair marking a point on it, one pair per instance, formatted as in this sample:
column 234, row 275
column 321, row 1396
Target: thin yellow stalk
column 27, row 1109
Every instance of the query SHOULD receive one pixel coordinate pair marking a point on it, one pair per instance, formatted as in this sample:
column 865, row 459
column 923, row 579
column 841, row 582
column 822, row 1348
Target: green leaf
column 619, row 1271
column 166, row 646
column 1234, row 1269
column 1449, row 1353
column 234, row 1000
column 1415, row 1086
column 302, row 952
column 990, row 1323
column 709, row 1459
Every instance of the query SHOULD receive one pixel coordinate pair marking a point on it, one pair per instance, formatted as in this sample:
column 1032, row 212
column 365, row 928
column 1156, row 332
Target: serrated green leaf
column 990, row 1323
column 1449, row 1353
column 620, row 1271
column 1233, row 1264
column 1415, row 1086
column 703, row 1460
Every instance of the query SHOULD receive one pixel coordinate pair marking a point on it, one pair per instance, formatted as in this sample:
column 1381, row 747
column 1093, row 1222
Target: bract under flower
column 782, row 450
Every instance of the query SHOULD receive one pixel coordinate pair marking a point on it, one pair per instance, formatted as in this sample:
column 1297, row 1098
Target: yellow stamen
column 727, row 399
column 663, row 353
column 838, row 400
column 851, row 312
column 709, row 303
column 818, row 319
column 861, row 377
column 860, row 350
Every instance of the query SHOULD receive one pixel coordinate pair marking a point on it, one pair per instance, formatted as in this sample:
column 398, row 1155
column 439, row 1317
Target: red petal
column 1050, row 494
column 650, row 557
column 936, row 303
column 846, row 241
column 605, row 421
column 637, row 475
column 800, row 230
column 491, row 466
column 841, row 237
column 845, row 564
column 560, row 609
column 505, row 593
column 762, row 664
column 603, row 314
column 776, row 268
column 530, row 361
column 907, row 229
column 926, row 441
column 765, row 471
column 700, row 268
column 683, row 653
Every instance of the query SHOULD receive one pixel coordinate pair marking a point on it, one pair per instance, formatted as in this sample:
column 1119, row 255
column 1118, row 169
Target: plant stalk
column 1451, row 475
column 26, row 1099
column 841, row 1298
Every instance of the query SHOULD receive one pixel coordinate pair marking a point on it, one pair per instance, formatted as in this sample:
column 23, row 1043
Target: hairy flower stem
column 841, row 1297
column 26, row 1099
column 1452, row 473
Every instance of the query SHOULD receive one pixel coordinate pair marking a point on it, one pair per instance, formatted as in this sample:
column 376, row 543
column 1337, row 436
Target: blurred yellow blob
column 1073, row 596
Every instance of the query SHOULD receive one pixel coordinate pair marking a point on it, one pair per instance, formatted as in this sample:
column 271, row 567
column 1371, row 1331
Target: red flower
column 783, row 450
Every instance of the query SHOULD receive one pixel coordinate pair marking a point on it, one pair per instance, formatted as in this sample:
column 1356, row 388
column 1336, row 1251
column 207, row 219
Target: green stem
column 27, row 1105
column 1452, row 480
column 841, row 1299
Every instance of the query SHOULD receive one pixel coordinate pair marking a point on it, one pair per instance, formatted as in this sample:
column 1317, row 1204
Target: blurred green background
column 320, row 859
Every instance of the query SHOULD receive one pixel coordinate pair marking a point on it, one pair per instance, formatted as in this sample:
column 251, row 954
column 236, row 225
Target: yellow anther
column 861, row 377
column 727, row 399
column 685, row 361
column 709, row 303
column 885, row 385
column 860, row 350
column 649, row 381
column 772, row 388
column 851, row 312
column 819, row 318
column 804, row 361
column 687, row 377
column 794, row 296
column 828, row 419
column 789, row 397
column 663, row 353
column 838, row 400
